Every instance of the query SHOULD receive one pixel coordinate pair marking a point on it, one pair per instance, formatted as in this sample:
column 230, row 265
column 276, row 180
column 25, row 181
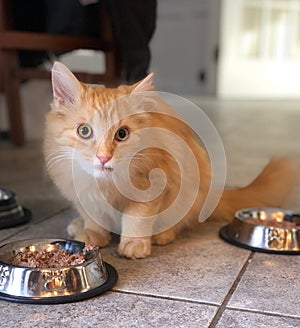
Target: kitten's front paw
column 96, row 238
column 135, row 248
column 75, row 227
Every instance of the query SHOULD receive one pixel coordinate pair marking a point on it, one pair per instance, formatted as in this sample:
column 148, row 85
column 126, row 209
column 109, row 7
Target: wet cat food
column 272, row 223
column 50, row 259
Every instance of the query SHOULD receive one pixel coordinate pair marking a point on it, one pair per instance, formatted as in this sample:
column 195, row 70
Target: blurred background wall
column 228, row 48
column 184, row 47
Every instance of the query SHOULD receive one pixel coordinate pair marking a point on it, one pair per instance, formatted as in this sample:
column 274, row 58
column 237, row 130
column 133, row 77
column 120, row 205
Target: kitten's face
column 93, row 124
column 105, row 143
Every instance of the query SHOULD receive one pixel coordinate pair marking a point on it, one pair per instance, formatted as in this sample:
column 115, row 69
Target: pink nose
column 103, row 159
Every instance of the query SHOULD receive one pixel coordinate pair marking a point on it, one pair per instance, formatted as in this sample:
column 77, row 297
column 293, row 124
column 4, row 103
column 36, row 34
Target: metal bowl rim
column 239, row 216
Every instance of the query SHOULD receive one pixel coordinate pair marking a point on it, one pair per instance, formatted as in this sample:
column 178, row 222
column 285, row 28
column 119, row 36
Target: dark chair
column 11, row 73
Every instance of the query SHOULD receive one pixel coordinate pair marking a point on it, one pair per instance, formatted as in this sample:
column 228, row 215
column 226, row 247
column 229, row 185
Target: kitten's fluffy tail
column 270, row 189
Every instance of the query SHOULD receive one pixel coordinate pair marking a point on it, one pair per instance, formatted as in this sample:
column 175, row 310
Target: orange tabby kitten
column 99, row 158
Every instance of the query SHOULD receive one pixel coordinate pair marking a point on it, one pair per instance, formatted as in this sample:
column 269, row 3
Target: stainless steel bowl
column 11, row 213
column 53, row 285
column 270, row 230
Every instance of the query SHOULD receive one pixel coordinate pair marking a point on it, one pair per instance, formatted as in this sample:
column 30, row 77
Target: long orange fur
column 75, row 103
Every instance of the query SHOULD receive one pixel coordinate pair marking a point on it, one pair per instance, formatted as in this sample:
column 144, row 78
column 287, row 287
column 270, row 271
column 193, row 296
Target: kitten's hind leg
column 164, row 238
column 88, row 232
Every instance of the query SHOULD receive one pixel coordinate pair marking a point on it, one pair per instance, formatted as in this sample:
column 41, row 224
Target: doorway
column 260, row 49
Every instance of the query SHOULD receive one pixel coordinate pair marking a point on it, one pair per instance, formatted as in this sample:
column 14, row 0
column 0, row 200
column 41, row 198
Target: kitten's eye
column 84, row 131
column 122, row 134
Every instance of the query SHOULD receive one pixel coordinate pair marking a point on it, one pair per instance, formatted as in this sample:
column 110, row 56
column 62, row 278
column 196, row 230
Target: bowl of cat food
column 52, row 271
column 269, row 230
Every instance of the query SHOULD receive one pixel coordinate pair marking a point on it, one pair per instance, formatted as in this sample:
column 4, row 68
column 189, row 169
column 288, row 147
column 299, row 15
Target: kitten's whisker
column 59, row 152
column 49, row 166
column 58, row 158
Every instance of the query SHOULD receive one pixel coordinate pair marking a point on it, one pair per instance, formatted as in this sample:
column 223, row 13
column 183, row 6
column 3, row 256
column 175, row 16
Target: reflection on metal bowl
column 270, row 230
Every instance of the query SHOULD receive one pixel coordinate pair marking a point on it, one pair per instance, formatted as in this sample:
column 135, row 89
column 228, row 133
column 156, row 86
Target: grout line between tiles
column 273, row 314
column 183, row 300
column 232, row 289
column 38, row 221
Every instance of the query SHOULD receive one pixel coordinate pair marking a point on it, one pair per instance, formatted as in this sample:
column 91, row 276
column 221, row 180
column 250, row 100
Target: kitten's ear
column 145, row 85
column 65, row 85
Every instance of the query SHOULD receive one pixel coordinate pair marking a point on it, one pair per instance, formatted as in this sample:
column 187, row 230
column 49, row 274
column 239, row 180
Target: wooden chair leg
column 1, row 72
column 11, row 89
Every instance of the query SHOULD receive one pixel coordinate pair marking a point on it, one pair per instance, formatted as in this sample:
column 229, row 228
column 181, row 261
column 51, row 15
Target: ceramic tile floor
column 199, row 280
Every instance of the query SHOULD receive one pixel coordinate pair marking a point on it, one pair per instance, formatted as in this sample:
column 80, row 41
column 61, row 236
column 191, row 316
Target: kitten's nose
column 103, row 159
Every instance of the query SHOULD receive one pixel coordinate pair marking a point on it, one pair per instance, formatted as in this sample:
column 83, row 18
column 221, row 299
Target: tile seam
column 232, row 289
column 273, row 314
column 182, row 300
